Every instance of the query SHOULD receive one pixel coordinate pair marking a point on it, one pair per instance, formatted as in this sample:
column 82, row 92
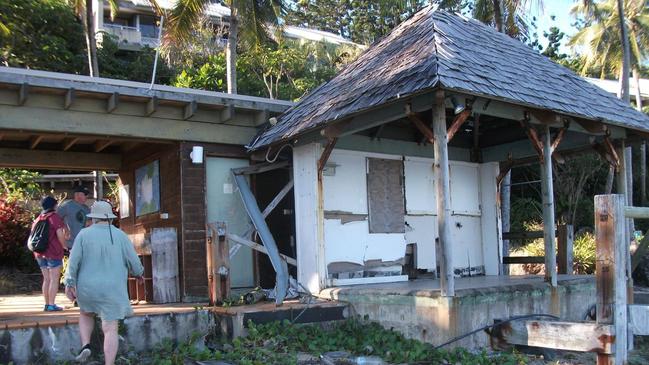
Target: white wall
column 473, row 201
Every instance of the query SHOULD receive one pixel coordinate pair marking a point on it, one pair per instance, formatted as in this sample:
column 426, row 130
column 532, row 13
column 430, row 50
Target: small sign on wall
column 124, row 200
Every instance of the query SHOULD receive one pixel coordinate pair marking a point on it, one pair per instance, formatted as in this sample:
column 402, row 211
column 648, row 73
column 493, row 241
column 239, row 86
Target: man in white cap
column 102, row 257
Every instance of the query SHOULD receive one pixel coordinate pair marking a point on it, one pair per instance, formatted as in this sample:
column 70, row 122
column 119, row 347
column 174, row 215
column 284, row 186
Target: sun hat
column 80, row 189
column 102, row 210
column 48, row 203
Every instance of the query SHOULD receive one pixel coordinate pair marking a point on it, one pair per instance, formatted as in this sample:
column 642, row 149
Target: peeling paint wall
column 349, row 240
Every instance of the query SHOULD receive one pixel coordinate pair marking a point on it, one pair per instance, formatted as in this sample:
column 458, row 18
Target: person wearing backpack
column 47, row 241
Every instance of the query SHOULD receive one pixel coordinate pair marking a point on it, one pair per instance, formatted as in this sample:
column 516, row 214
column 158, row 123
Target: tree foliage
column 362, row 21
column 41, row 34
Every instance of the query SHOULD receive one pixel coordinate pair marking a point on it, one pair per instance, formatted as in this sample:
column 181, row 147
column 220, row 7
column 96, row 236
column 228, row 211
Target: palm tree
column 507, row 16
column 251, row 22
column 84, row 10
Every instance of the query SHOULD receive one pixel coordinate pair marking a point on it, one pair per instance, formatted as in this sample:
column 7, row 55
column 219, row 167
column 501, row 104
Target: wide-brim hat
column 102, row 210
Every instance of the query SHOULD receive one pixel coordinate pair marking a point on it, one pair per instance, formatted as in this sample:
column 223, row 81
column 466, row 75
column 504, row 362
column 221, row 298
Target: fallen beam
column 257, row 247
column 569, row 336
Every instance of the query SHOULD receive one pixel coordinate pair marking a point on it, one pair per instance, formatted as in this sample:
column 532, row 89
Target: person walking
column 74, row 212
column 102, row 257
column 50, row 260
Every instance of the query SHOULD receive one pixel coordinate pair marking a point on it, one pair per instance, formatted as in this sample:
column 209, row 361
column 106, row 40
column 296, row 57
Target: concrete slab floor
column 463, row 286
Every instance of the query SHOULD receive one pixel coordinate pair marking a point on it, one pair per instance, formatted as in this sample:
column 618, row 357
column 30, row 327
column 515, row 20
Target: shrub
column 583, row 254
column 15, row 223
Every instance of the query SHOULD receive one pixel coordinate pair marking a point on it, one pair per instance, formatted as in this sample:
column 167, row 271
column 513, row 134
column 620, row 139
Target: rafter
column 112, row 103
column 190, row 109
column 457, row 123
column 101, row 145
column 227, row 113
column 34, row 141
column 23, row 93
column 421, row 126
column 151, row 106
column 69, row 98
column 69, row 142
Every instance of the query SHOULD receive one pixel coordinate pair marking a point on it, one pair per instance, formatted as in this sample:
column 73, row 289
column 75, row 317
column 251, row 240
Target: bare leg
column 111, row 342
column 86, row 325
column 54, row 283
column 46, row 284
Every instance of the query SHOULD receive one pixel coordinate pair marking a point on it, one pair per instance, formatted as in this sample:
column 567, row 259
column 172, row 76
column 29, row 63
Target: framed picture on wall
column 124, row 200
column 147, row 189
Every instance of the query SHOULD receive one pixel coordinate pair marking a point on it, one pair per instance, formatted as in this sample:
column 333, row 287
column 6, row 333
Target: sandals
column 52, row 308
column 84, row 354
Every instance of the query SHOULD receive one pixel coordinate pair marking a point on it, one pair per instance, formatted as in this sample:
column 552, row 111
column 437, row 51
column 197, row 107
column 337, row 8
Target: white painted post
column 547, row 189
column 309, row 217
column 492, row 242
column 447, row 280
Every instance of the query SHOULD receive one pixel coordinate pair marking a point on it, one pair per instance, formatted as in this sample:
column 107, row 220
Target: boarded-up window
column 385, row 195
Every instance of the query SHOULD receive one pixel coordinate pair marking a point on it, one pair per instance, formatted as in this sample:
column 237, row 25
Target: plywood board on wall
column 385, row 195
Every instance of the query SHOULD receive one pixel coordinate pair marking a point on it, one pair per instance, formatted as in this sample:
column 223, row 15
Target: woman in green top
column 101, row 259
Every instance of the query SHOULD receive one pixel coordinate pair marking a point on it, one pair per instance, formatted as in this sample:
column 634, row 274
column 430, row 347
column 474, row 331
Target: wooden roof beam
column 227, row 113
column 151, row 106
column 457, row 123
column 262, row 117
column 23, row 93
column 112, row 103
column 69, row 98
column 190, row 109
column 69, row 142
column 34, row 141
column 421, row 126
column 101, row 145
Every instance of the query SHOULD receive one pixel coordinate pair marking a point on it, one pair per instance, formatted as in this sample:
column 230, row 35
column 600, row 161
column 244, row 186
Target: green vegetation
column 280, row 342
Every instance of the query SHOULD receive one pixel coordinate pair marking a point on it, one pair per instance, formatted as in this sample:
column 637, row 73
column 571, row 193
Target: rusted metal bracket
column 331, row 143
column 421, row 126
column 457, row 123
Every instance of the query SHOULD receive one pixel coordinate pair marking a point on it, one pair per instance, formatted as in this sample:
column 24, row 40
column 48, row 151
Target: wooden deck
column 24, row 311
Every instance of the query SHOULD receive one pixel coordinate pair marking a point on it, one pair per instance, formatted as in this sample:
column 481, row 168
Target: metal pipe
column 250, row 203
column 157, row 53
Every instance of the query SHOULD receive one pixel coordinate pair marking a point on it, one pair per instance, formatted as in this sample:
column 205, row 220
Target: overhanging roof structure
column 436, row 49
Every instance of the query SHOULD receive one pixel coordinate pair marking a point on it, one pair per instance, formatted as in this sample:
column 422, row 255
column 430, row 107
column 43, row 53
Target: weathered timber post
column 565, row 243
column 610, row 273
column 447, row 280
column 548, row 210
column 218, row 263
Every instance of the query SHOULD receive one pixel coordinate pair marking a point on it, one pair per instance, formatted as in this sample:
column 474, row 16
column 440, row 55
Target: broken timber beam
column 570, row 336
column 257, row 247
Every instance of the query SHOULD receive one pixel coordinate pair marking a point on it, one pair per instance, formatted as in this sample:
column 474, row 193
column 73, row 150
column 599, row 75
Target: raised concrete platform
column 30, row 336
column 417, row 309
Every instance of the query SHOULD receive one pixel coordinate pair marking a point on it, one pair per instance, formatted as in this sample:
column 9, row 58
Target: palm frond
column 4, row 30
column 114, row 8
column 182, row 19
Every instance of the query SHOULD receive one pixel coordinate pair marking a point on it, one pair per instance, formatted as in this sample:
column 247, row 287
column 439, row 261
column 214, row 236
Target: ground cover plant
column 280, row 343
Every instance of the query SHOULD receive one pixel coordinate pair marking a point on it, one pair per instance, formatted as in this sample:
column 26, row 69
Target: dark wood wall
column 139, row 228
column 194, row 212
column 183, row 197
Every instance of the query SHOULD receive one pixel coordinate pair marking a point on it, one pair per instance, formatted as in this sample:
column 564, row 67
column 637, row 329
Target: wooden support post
column 447, row 280
column 98, row 184
column 548, row 210
column 610, row 273
column 565, row 241
column 218, row 263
